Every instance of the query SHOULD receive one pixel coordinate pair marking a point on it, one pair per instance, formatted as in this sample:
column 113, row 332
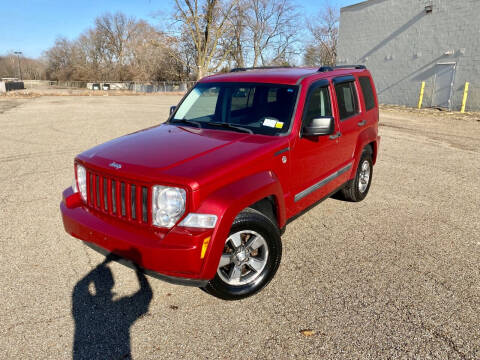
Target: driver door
column 314, row 158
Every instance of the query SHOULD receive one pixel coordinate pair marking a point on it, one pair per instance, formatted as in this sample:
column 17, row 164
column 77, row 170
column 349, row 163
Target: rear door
column 351, row 119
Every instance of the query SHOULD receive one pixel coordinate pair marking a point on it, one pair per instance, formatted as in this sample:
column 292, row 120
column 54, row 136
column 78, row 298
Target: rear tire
column 250, row 258
column 357, row 189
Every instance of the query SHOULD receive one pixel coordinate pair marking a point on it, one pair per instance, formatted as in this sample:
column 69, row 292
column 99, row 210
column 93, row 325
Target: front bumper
column 173, row 256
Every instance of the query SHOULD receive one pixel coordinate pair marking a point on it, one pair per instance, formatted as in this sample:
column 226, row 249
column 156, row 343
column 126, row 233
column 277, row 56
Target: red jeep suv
column 204, row 198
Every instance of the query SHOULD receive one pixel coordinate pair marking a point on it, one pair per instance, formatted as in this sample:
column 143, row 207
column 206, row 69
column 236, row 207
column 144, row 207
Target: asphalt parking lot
column 395, row 276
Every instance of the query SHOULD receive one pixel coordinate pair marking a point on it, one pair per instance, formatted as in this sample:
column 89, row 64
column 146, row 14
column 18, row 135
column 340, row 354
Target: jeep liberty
column 204, row 198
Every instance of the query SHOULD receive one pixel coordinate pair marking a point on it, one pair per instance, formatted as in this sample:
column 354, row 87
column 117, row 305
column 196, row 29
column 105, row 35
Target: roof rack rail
column 258, row 68
column 362, row 67
column 325, row 69
column 330, row 68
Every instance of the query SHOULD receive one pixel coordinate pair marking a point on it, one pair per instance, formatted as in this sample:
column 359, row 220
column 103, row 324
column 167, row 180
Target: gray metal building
column 407, row 42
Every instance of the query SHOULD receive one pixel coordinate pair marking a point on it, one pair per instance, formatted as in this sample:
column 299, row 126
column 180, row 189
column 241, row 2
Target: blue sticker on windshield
column 290, row 90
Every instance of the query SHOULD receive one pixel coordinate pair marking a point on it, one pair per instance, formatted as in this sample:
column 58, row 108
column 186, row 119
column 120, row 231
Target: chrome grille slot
column 97, row 191
column 114, row 197
column 144, row 204
column 133, row 201
column 90, row 187
column 122, row 199
column 105, row 194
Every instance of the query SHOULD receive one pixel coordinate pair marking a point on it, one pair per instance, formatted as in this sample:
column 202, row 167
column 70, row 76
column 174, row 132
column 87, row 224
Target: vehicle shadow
column 102, row 325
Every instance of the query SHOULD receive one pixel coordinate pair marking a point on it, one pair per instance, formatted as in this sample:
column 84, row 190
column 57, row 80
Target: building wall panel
column 401, row 44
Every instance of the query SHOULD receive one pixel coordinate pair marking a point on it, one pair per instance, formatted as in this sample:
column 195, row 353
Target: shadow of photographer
column 102, row 325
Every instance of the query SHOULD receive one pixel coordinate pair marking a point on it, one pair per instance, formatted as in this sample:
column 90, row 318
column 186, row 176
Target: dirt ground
column 395, row 276
column 432, row 113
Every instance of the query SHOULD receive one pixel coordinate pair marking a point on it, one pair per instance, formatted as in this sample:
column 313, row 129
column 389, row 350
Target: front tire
column 250, row 258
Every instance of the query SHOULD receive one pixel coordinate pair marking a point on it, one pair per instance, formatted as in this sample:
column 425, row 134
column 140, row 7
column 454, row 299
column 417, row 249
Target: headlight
column 204, row 221
column 168, row 205
column 82, row 181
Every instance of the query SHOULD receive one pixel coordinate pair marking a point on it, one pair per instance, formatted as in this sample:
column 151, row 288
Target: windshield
column 256, row 108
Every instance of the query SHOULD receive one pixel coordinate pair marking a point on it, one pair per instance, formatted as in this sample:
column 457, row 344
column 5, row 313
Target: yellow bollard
column 465, row 96
column 420, row 100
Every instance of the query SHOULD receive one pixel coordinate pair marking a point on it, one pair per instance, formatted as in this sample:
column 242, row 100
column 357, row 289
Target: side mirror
column 319, row 126
column 172, row 109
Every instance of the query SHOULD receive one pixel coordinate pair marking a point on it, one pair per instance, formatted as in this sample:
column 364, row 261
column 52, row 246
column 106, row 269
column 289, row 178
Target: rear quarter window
column 367, row 92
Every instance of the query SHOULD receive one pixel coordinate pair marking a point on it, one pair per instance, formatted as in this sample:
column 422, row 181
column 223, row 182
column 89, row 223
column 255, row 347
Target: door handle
column 336, row 136
column 362, row 123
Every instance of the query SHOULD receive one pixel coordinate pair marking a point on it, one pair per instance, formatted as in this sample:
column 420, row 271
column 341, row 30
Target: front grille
column 117, row 197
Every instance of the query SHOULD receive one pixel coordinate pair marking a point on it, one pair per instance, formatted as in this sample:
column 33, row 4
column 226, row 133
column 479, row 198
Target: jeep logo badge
column 115, row 165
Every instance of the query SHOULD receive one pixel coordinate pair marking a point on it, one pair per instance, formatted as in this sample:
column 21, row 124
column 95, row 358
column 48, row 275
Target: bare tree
column 209, row 35
column 324, row 31
column 60, row 60
column 207, row 23
column 117, row 48
column 115, row 32
column 151, row 58
column 312, row 55
column 88, row 57
column 32, row 69
column 237, row 40
column 271, row 30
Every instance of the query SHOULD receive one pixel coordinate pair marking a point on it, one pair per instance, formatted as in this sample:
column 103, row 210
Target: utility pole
column 18, row 53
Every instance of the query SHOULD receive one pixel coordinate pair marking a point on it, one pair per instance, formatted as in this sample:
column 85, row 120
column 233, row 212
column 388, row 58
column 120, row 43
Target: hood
column 158, row 151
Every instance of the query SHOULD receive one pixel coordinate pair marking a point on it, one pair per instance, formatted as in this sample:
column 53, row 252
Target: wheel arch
column 268, row 206
column 374, row 148
column 368, row 137
column 258, row 191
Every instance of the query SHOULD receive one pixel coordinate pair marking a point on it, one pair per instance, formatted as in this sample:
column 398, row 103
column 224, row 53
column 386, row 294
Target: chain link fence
column 142, row 87
column 162, row 86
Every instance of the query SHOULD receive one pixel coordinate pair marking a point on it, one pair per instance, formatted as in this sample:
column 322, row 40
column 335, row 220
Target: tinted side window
column 367, row 91
column 319, row 104
column 347, row 99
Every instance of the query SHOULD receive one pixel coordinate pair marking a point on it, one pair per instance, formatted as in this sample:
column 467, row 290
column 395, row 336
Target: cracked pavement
column 395, row 276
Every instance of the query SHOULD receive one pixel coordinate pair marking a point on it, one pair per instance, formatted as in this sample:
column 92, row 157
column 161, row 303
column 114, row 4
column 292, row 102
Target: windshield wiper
column 230, row 126
column 186, row 121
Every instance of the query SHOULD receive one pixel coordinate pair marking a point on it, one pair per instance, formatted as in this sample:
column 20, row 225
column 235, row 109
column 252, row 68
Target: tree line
column 200, row 37
column 30, row 68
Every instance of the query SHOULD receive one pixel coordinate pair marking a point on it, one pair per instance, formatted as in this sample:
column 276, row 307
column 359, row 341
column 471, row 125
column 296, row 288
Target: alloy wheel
column 244, row 257
column 364, row 176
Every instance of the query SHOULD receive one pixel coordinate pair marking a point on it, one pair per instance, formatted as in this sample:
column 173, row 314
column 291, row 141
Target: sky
column 31, row 26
